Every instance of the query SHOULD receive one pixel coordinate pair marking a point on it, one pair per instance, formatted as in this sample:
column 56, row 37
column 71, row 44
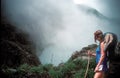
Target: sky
column 59, row 28
column 109, row 8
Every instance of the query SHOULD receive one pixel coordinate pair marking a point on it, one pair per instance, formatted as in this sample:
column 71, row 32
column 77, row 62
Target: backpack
column 117, row 50
column 112, row 49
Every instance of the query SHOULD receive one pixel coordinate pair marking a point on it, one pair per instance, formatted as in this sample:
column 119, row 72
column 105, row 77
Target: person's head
column 98, row 35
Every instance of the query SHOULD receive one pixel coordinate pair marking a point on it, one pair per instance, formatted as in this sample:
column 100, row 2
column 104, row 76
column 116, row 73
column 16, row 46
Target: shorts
column 102, row 68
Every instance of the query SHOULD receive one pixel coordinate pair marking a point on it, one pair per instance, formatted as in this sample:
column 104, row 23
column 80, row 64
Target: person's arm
column 102, row 56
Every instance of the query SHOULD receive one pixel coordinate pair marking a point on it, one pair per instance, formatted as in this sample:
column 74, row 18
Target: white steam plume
column 57, row 27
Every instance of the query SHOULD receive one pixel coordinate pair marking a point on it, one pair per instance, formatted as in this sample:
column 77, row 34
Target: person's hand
column 89, row 53
column 96, row 69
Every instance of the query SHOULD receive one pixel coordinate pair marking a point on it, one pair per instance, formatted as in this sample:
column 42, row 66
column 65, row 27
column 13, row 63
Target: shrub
column 92, row 63
column 37, row 69
column 70, row 66
column 55, row 74
column 90, row 73
column 79, row 74
column 81, row 63
column 24, row 68
column 47, row 67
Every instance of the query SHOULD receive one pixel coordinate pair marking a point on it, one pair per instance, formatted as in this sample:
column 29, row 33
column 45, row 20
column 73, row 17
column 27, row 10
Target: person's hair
column 97, row 34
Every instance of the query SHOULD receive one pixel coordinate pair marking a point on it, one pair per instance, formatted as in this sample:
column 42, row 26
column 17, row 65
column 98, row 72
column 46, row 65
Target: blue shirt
column 98, row 55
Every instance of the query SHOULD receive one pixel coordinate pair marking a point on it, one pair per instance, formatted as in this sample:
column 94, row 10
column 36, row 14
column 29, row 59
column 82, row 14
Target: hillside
column 15, row 48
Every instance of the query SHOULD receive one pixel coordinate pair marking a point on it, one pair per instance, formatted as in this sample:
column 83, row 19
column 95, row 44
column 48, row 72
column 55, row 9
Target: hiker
column 110, row 43
column 101, row 56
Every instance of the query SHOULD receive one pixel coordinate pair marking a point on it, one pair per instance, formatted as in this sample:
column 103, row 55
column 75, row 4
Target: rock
column 15, row 48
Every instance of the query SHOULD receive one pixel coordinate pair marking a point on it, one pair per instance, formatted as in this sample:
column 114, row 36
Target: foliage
column 55, row 74
column 79, row 74
column 81, row 63
column 69, row 66
column 92, row 63
column 37, row 69
column 71, row 69
column 47, row 67
column 24, row 68
column 90, row 73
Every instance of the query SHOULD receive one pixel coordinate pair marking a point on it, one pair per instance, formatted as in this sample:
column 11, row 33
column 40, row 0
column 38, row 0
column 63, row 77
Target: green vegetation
column 71, row 69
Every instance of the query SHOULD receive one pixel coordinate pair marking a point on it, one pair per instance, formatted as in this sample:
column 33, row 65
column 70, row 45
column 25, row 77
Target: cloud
column 57, row 28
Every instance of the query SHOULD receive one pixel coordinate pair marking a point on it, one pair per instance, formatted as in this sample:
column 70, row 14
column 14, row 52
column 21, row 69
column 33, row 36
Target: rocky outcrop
column 83, row 52
column 15, row 47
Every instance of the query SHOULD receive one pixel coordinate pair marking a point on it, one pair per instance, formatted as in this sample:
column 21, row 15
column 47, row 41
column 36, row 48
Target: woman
column 101, row 59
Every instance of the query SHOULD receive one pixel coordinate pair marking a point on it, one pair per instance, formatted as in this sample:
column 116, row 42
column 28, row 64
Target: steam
column 57, row 27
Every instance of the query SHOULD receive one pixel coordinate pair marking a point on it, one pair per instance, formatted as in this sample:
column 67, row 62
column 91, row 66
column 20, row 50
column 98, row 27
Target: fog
column 56, row 28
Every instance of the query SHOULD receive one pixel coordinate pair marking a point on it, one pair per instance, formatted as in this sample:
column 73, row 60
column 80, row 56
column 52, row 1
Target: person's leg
column 99, row 74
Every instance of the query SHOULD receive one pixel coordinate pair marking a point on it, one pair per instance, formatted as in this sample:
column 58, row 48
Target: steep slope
column 92, row 11
column 15, row 48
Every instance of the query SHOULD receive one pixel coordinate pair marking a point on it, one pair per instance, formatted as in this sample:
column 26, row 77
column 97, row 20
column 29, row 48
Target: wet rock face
column 15, row 49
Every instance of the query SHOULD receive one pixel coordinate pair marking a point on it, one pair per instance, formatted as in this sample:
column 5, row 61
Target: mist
column 56, row 28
